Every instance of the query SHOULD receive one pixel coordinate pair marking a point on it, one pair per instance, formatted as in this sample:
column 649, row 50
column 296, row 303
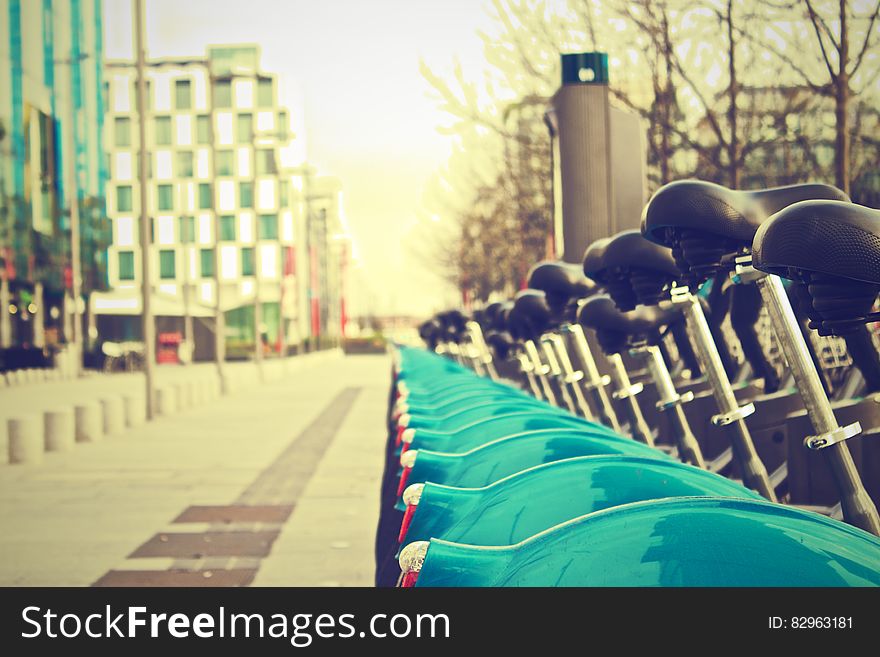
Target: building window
column 205, row 197
column 187, row 230
column 165, row 197
column 244, row 128
column 126, row 265
column 266, row 162
column 123, row 198
column 283, row 194
column 223, row 94
column 122, row 132
column 225, row 163
column 268, row 227
column 227, row 228
column 167, row 264
column 264, row 92
column 247, row 261
column 163, row 130
column 283, row 123
column 203, row 130
column 184, row 164
column 182, row 94
column 206, row 258
column 246, row 195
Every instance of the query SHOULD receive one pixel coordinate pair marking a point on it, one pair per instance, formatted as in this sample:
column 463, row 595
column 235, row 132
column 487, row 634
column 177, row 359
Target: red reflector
column 407, row 518
column 402, row 485
column 409, row 580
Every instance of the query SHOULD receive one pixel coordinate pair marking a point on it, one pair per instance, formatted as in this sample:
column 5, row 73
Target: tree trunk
column 841, row 108
column 668, row 96
column 733, row 165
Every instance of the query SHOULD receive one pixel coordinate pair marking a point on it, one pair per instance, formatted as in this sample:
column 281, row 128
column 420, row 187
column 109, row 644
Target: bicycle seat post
column 731, row 415
column 569, row 378
column 670, row 403
column 541, row 370
column 528, row 370
column 483, row 354
column 594, row 382
column 626, row 392
column 858, row 507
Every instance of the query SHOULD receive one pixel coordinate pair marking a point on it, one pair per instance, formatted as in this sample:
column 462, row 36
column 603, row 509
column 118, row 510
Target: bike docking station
column 608, row 426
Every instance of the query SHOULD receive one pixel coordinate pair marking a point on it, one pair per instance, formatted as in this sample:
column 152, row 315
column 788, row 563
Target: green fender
column 506, row 456
column 480, row 411
column 524, row 504
column 470, row 399
column 672, row 542
column 458, row 389
column 502, row 426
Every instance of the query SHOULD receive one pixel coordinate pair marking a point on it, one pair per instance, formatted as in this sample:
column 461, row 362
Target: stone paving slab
column 76, row 517
column 329, row 538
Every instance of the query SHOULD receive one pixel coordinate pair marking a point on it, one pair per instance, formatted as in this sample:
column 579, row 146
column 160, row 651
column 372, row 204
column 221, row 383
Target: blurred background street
column 201, row 497
column 217, row 218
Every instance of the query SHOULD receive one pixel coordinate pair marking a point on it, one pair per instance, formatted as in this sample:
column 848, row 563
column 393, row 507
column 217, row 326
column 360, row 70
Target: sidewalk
column 199, row 498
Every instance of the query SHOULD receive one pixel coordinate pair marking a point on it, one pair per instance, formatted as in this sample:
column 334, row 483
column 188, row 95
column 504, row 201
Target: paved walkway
column 276, row 484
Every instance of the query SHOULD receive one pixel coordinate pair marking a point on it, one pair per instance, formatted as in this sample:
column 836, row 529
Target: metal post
column 526, row 367
column 731, row 415
column 556, row 371
column 483, row 353
column 858, row 508
column 148, row 326
column 188, row 337
column 626, row 392
column 219, row 315
column 541, row 370
column 670, row 402
column 594, row 382
column 72, row 186
column 570, row 377
column 258, row 309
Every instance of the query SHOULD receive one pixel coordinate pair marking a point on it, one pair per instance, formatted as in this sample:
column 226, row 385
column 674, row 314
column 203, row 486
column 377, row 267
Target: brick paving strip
column 223, row 545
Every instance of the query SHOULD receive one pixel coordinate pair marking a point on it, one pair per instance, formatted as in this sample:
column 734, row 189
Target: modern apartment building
column 226, row 201
column 51, row 111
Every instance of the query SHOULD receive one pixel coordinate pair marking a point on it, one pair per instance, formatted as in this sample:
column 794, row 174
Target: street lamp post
column 148, row 326
column 71, row 185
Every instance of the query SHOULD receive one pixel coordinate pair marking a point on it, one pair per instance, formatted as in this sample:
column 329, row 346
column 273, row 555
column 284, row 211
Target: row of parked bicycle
column 587, row 432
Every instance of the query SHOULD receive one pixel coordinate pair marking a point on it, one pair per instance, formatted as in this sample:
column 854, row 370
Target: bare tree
column 846, row 38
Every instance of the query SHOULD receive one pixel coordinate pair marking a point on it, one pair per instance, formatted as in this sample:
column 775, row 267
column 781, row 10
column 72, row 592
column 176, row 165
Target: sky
column 353, row 65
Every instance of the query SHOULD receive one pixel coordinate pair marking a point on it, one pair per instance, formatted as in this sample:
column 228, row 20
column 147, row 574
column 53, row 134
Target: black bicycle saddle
column 616, row 329
column 530, row 315
column 563, row 284
column 833, row 248
column 702, row 221
column 635, row 271
column 592, row 265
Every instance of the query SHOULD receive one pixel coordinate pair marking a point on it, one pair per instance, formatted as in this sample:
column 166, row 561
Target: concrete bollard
column 166, row 400
column 200, row 393
column 180, row 392
column 59, row 428
column 114, row 415
column 135, row 410
column 89, row 422
column 25, row 439
column 4, row 442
